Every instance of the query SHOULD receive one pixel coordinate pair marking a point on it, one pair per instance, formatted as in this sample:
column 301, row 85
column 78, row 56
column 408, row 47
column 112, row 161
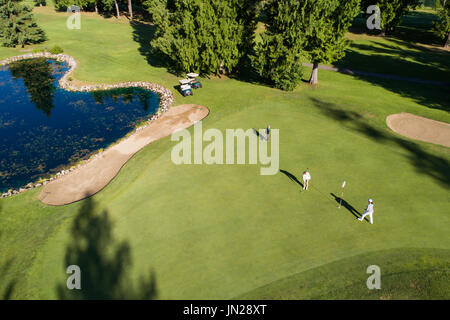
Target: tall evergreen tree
column 324, row 24
column 205, row 36
column 17, row 25
column 314, row 28
column 246, row 11
column 278, row 56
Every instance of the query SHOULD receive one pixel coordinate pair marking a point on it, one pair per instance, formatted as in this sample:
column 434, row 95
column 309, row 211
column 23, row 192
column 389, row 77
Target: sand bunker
column 96, row 174
column 419, row 128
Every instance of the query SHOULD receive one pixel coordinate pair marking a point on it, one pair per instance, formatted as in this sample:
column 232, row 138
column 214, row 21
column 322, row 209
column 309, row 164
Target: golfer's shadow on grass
column 346, row 205
column 259, row 135
column 292, row 177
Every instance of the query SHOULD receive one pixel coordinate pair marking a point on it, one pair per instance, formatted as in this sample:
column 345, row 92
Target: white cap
column 370, row 200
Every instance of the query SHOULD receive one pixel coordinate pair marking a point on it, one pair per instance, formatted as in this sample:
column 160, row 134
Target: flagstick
column 342, row 195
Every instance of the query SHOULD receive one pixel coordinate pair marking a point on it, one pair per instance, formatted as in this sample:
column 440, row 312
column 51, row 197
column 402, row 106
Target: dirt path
column 96, row 174
column 419, row 128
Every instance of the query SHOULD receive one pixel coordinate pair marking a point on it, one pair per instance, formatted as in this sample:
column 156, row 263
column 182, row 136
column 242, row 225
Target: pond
column 44, row 128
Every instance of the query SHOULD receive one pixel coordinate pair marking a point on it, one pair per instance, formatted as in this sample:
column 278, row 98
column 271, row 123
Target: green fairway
column 406, row 273
column 225, row 231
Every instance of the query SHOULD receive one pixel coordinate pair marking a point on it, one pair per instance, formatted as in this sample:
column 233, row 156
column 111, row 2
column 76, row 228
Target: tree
column 324, row 24
column 442, row 27
column 391, row 11
column 17, row 25
column 246, row 11
column 130, row 9
column 205, row 36
column 314, row 28
column 108, row 6
column 40, row 3
column 94, row 3
column 277, row 57
column 62, row 5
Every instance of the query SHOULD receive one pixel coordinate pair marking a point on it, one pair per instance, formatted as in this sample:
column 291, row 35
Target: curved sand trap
column 97, row 173
column 420, row 128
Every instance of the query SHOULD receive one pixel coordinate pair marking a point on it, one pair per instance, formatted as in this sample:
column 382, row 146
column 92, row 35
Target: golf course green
column 227, row 232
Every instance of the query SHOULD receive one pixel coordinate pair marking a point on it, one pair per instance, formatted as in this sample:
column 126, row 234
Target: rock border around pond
column 166, row 99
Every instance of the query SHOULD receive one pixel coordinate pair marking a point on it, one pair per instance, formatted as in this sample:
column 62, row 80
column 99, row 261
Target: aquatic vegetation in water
column 43, row 127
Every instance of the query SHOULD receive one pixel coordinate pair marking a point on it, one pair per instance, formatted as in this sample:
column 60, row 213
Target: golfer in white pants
column 368, row 212
column 306, row 178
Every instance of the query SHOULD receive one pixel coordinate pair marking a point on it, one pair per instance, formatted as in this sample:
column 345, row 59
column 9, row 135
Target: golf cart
column 185, row 88
column 194, row 82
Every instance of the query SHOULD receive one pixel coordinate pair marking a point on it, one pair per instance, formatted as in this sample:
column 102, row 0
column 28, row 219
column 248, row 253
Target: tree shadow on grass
column 103, row 262
column 11, row 285
column 143, row 33
column 424, row 162
column 429, row 70
column 8, row 290
column 346, row 205
column 414, row 27
column 292, row 177
column 417, row 27
column 390, row 57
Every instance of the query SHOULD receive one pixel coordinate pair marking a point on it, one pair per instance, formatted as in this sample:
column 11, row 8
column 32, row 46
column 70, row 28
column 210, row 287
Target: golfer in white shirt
column 306, row 178
column 368, row 212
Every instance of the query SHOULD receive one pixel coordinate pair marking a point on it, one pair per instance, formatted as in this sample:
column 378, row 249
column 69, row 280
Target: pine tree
column 17, row 25
column 323, row 25
column 205, row 36
column 246, row 11
column 278, row 56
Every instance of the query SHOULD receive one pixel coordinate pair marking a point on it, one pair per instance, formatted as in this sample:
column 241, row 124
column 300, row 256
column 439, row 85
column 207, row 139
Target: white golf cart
column 193, row 81
column 185, row 87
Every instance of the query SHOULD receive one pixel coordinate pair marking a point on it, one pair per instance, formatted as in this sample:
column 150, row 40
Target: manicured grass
column 216, row 232
column 397, row 57
column 406, row 273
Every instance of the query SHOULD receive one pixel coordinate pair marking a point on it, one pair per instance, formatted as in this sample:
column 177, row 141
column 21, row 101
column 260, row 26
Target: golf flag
column 342, row 194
